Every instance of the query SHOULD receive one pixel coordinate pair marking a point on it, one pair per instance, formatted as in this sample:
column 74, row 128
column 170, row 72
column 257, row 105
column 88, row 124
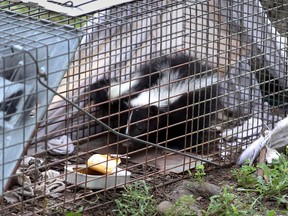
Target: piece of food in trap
column 81, row 176
column 104, row 164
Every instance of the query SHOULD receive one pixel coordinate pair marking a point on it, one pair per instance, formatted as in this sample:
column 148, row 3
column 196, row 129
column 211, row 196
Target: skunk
column 111, row 95
column 177, row 107
column 173, row 92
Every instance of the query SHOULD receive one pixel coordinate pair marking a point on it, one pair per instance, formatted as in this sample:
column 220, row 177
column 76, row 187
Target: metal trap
column 29, row 50
column 233, row 40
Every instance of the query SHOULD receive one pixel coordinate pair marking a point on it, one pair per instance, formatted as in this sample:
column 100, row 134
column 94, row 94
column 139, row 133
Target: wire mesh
column 196, row 82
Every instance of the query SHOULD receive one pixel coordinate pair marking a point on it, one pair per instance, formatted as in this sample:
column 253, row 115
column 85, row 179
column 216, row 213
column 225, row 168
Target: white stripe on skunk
column 170, row 88
column 116, row 90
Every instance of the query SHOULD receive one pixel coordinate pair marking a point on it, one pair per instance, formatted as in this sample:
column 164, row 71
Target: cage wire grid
column 117, row 43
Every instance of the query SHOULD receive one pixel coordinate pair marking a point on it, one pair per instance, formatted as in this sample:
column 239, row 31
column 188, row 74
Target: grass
column 77, row 213
column 136, row 200
column 226, row 203
column 253, row 195
column 200, row 174
column 273, row 184
column 272, row 187
column 182, row 207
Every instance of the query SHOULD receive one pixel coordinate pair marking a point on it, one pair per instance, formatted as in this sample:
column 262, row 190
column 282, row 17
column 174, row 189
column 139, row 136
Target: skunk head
column 143, row 123
column 142, row 119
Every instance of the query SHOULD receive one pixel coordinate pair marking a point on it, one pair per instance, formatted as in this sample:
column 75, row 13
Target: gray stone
column 163, row 206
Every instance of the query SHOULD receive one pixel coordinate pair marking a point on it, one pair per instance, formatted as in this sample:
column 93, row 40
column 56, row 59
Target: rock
column 184, row 197
column 180, row 191
column 204, row 189
column 185, row 205
column 163, row 206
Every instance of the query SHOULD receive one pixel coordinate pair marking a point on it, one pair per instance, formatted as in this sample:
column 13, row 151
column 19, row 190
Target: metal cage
column 216, row 72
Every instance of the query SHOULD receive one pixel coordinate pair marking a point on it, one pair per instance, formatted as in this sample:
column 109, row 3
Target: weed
column 182, row 207
column 136, row 200
column 245, row 176
column 276, row 185
column 225, row 204
column 273, row 186
column 200, row 173
column 270, row 213
column 79, row 212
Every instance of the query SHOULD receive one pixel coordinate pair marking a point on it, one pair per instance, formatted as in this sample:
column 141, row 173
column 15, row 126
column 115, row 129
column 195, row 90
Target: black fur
column 184, row 124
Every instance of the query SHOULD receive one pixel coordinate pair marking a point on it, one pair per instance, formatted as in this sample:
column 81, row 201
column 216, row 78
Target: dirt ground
column 95, row 202
column 163, row 186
